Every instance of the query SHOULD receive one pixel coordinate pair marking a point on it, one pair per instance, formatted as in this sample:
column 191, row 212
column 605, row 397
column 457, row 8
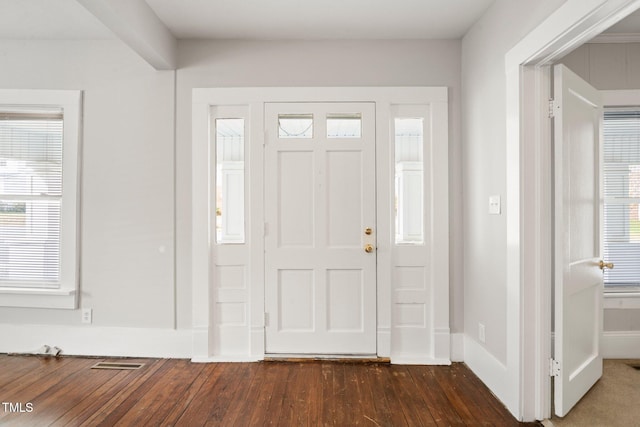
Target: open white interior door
column 578, row 278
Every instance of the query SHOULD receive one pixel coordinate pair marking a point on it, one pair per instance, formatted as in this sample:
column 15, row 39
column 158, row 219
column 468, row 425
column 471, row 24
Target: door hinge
column 554, row 368
column 266, row 319
column 552, row 108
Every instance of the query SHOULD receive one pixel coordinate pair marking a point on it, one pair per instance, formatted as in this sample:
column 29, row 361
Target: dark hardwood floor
column 37, row 391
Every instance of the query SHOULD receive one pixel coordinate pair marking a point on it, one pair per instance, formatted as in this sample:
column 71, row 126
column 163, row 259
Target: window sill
column 621, row 299
column 38, row 298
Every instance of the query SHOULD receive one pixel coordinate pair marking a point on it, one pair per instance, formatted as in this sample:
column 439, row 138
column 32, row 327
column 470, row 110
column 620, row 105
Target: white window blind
column 31, row 146
column 622, row 195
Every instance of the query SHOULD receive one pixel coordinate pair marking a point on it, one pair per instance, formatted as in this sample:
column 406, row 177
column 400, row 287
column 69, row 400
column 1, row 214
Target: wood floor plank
column 215, row 395
column 380, row 413
column 41, row 381
column 65, row 395
column 433, row 396
column 484, row 413
column 383, row 380
column 315, row 404
column 158, row 401
column 95, row 402
column 355, row 392
column 270, row 395
column 191, row 395
column 237, row 401
column 449, row 385
column 35, row 373
column 262, row 395
column 238, row 414
column 227, row 393
column 14, row 368
column 415, row 412
column 66, row 392
column 341, row 411
column 120, row 403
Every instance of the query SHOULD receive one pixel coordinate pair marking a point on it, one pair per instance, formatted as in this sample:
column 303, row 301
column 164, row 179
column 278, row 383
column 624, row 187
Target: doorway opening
column 529, row 213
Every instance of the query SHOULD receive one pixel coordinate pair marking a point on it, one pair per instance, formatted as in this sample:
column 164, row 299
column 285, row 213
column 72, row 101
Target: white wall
column 610, row 67
column 484, row 167
column 135, row 231
column 279, row 63
column 127, row 197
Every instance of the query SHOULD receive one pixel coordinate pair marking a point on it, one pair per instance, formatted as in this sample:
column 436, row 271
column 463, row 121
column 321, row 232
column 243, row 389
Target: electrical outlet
column 87, row 315
column 481, row 336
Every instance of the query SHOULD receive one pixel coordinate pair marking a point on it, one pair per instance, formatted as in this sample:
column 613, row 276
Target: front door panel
column 320, row 290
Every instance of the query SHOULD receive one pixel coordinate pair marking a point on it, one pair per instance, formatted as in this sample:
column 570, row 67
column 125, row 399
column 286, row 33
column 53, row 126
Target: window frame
column 65, row 294
column 616, row 297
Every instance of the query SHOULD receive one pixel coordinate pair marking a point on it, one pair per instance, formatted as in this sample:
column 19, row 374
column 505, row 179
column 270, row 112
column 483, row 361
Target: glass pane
column 230, row 180
column 344, row 125
column 30, row 240
column 30, row 155
column 621, row 148
column 295, row 126
column 409, row 180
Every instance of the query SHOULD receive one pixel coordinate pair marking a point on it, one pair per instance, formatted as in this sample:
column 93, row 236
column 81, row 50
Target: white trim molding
column 96, row 340
column 620, row 345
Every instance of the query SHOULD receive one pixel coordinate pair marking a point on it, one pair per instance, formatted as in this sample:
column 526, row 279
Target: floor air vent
column 117, row 365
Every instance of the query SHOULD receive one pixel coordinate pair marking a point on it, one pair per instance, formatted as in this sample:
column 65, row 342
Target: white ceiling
column 49, row 19
column 255, row 19
column 323, row 19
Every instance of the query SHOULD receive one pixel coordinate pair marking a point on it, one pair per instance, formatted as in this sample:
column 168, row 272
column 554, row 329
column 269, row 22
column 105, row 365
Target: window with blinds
column 31, row 151
column 621, row 149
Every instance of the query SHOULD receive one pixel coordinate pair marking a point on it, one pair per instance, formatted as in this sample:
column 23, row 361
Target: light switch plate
column 494, row 205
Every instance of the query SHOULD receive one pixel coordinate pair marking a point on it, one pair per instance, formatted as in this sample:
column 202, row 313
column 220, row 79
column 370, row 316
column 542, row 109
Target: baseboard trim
column 98, row 341
column 488, row 368
column 620, row 345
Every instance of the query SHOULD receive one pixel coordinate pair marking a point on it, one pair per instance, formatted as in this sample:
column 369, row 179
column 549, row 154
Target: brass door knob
column 604, row 265
column 368, row 248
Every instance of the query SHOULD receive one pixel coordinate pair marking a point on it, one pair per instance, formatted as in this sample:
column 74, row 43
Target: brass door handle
column 368, row 248
column 604, row 265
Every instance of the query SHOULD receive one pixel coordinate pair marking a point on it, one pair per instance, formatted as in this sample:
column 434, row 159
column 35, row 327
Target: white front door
column 578, row 278
column 320, row 258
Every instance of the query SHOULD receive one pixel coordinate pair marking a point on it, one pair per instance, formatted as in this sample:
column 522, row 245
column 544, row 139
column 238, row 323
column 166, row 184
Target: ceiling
column 49, row 19
column 152, row 27
column 264, row 19
column 326, row 19
column 254, row 19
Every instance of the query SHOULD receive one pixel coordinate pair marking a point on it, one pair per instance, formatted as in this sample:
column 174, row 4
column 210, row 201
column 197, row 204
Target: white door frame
column 529, row 194
column 242, row 337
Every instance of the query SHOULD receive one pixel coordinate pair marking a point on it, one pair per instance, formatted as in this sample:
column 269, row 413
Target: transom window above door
column 337, row 125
